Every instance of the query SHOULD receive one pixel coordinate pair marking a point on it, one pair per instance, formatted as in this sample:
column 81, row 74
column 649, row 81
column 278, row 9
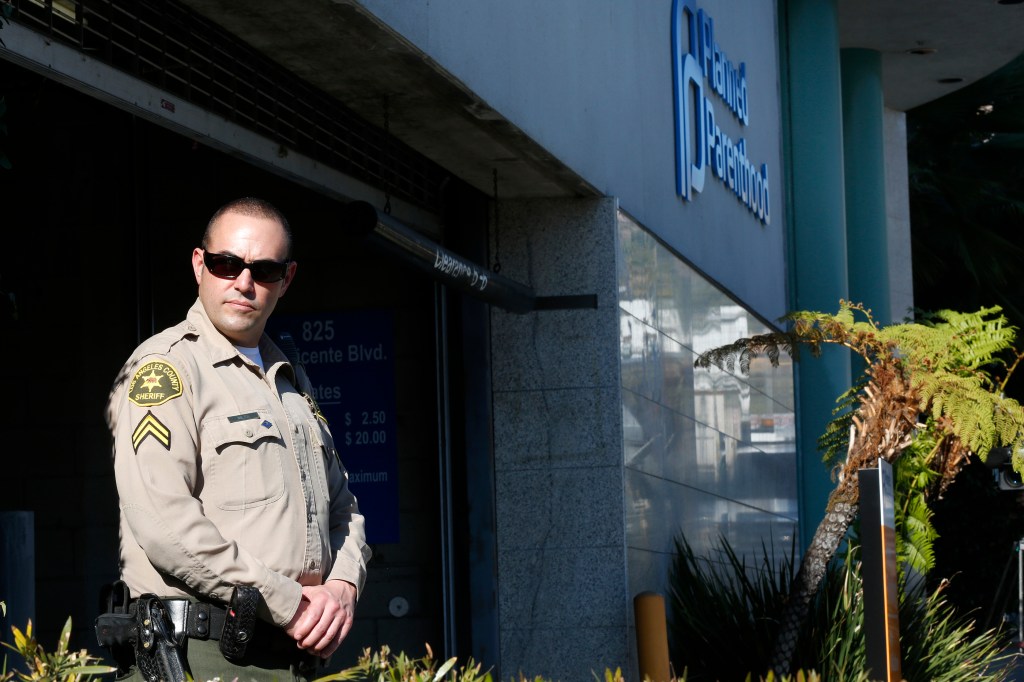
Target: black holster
column 141, row 635
column 158, row 653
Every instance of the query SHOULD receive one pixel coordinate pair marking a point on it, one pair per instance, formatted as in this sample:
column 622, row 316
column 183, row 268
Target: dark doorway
column 98, row 217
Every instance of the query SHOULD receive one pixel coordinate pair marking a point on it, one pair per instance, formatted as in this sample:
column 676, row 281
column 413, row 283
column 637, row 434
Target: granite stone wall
column 563, row 604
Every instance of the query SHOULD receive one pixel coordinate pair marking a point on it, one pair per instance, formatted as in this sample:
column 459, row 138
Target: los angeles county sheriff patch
column 154, row 384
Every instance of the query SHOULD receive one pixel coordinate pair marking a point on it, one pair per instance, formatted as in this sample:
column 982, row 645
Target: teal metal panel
column 818, row 250
column 864, row 166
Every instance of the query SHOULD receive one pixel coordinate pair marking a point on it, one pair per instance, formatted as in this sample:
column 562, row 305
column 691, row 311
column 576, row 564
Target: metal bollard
column 651, row 637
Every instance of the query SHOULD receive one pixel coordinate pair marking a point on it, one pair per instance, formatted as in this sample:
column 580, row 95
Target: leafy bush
column 724, row 616
column 62, row 665
column 940, row 646
column 383, row 666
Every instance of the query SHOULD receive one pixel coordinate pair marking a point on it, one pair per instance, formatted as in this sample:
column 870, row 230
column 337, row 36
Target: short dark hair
column 254, row 208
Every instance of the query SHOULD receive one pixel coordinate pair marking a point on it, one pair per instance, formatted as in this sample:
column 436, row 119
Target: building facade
column 596, row 193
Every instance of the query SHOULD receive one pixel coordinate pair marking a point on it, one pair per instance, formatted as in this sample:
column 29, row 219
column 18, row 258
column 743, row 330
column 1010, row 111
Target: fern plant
column 937, row 382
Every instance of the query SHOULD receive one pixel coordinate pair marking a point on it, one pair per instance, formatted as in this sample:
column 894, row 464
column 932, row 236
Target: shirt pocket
column 243, row 468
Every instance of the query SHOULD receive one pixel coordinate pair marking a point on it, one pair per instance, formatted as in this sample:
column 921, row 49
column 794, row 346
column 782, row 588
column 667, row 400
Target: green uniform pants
column 261, row 664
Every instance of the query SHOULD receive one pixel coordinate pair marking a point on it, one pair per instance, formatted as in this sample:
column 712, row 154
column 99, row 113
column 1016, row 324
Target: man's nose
column 244, row 282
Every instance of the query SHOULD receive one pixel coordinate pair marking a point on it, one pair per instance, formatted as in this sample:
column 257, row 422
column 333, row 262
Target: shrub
column 62, row 665
column 724, row 616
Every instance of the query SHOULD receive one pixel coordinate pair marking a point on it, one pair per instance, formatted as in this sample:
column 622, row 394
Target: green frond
column 835, row 441
column 916, row 536
column 913, row 478
column 951, row 360
column 954, row 342
column 809, row 330
column 980, row 418
column 742, row 351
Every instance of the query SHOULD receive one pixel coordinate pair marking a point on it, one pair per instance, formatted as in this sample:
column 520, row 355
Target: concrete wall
column 897, row 212
column 563, row 605
column 609, row 444
column 591, row 81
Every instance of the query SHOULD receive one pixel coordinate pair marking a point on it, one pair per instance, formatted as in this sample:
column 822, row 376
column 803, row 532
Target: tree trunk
column 831, row 531
column 883, row 426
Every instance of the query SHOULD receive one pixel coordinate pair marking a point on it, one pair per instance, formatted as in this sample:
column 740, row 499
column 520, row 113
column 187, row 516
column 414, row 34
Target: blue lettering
column 699, row 141
column 685, row 78
column 765, row 215
column 707, row 46
column 689, row 102
column 741, row 95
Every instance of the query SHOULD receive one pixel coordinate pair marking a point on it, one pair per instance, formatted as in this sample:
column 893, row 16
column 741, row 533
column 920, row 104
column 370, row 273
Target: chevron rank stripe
column 151, row 426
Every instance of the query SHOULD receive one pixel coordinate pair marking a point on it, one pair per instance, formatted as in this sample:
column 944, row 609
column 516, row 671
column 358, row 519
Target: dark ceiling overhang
column 930, row 48
column 341, row 48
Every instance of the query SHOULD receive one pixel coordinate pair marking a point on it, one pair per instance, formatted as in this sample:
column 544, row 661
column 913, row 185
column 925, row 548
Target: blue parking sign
column 349, row 357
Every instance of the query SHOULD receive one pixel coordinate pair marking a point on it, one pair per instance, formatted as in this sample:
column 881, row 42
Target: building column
column 864, row 167
column 562, row 601
column 897, row 212
column 814, row 138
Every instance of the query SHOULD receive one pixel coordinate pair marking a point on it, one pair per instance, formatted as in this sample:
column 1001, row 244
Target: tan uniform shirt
column 225, row 475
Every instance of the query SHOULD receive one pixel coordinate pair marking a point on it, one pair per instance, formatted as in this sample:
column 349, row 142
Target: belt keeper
column 201, row 621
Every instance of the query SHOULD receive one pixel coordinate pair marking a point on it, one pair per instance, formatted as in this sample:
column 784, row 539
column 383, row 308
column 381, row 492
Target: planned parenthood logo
column 699, row 67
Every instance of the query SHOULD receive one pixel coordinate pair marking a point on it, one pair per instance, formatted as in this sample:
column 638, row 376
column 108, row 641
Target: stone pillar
column 897, row 213
column 563, row 605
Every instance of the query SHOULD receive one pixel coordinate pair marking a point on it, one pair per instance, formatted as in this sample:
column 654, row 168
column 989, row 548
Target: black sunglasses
column 226, row 266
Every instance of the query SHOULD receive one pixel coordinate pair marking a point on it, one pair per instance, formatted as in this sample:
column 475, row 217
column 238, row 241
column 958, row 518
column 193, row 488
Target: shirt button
column 312, row 565
column 248, row 433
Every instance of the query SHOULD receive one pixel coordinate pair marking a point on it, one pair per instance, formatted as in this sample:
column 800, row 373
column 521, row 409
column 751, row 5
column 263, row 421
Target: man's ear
column 197, row 263
column 289, row 276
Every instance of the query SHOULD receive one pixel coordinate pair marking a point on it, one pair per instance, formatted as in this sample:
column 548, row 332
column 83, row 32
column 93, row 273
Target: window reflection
column 707, row 453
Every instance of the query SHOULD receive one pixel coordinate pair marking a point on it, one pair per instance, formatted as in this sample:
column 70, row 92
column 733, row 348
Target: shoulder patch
column 154, row 383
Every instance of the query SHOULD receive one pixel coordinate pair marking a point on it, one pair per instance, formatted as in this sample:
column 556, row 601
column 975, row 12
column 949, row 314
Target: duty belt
column 202, row 620
column 151, row 623
column 197, row 620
